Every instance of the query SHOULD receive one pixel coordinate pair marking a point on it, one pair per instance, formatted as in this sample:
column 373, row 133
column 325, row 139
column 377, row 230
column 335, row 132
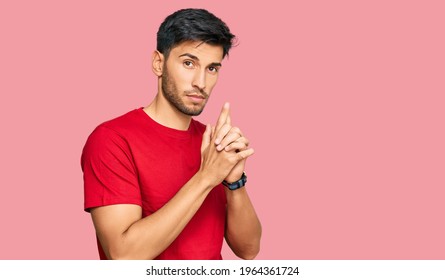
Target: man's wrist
column 205, row 180
column 236, row 184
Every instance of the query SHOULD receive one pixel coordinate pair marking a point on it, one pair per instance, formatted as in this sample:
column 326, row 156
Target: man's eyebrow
column 190, row 55
column 213, row 64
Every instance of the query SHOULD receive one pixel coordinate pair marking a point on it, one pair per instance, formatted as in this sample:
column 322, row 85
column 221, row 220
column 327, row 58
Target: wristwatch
column 237, row 184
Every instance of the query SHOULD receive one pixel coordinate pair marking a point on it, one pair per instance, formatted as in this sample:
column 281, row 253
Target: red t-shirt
column 134, row 160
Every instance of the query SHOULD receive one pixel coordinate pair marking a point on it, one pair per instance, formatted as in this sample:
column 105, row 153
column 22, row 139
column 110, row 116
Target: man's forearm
column 243, row 230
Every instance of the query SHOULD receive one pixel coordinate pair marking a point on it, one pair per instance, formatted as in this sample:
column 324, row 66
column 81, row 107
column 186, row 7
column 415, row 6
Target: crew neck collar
column 164, row 129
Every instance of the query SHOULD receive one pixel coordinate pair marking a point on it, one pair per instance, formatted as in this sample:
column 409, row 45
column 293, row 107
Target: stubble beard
column 170, row 92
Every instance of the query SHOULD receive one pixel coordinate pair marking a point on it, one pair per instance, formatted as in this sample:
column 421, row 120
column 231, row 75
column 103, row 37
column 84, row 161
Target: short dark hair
column 193, row 25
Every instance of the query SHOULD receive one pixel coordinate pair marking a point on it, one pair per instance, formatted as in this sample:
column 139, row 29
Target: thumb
column 206, row 138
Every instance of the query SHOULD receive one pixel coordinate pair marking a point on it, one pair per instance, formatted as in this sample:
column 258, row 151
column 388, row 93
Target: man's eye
column 213, row 69
column 188, row 63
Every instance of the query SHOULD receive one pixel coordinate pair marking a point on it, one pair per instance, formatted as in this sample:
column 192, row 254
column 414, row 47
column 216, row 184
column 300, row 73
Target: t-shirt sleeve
column 109, row 174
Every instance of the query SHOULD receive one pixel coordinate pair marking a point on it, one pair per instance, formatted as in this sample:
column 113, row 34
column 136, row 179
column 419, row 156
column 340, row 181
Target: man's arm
column 124, row 234
column 243, row 228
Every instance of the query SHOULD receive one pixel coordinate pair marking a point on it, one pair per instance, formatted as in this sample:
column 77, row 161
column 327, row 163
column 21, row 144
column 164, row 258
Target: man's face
column 189, row 75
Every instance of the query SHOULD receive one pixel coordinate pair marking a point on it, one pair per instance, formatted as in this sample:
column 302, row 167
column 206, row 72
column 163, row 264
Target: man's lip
column 196, row 96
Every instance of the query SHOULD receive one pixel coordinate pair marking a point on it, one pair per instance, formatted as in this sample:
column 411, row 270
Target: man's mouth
column 196, row 98
column 196, row 95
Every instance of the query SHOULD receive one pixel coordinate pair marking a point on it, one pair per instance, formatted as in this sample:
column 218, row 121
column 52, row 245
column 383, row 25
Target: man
column 153, row 177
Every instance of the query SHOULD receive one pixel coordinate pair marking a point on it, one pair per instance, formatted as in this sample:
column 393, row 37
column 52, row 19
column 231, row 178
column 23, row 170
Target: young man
column 160, row 185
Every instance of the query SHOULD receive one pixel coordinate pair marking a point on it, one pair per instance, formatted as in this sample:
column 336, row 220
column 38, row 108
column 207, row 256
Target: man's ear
column 157, row 63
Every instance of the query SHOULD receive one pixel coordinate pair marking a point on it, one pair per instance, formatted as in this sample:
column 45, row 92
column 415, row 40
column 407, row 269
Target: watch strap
column 237, row 184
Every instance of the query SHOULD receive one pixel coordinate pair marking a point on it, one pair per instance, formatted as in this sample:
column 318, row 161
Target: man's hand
column 228, row 139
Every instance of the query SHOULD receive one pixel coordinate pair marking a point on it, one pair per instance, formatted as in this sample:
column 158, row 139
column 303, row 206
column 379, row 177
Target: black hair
column 193, row 25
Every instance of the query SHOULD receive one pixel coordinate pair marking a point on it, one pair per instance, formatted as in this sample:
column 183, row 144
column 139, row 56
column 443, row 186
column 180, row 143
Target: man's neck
column 162, row 112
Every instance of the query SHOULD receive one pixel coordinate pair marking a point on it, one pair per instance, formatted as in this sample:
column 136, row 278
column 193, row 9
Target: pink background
column 342, row 100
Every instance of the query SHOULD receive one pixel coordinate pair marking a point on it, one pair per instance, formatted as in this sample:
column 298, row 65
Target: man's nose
column 199, row 80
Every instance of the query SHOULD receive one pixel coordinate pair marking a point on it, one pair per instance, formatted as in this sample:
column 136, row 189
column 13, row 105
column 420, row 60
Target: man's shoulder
column 125, row 121
column 119, row 127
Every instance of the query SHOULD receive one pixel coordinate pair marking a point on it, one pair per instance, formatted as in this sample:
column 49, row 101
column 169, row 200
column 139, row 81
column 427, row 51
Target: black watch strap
column 237, row 184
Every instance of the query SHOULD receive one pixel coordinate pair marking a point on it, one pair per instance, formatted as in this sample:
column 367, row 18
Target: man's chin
column 194, row 113
column 193, row 110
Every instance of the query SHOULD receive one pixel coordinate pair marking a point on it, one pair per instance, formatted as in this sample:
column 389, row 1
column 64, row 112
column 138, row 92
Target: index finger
column 223, row 116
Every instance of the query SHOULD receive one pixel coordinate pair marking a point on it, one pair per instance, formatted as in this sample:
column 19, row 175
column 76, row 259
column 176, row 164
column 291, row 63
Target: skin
column 185, row 81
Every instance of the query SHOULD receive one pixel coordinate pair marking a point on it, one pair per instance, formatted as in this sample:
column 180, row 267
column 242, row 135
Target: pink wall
column 343, row 102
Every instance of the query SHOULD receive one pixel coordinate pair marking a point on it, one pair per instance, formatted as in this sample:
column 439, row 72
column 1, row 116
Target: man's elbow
column 249, row 253
column 129, row 257
column 123, row 254
column 249, row 256
column 115, row 254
